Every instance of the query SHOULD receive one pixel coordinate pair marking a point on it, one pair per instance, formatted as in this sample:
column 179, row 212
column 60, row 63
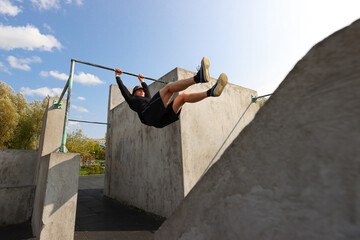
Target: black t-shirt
column 136, row 103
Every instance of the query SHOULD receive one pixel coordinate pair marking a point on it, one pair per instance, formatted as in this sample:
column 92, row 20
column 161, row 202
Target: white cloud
column 77, row 2
column 7, row 8
column 61, row 76
column 27, row 38
column 55, row 74
column 44, row 73
column 46, row 4
column 73, row 124
column 81, row 77
column 80, row 109
column 81, row 98
column 22, row 63
column 87, row 79
column 3, row 68
column 49, row 4
column 48, row 28
column 42, row 92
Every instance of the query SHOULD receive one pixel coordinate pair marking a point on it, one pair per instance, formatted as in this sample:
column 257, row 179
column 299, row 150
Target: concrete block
column 17, row 171
column 16, row 204
column 17, row 167
column 153, row 169
column 56, row 196
column 116, row 97
column 205, row 126
column 52, row 131
column 293, row 172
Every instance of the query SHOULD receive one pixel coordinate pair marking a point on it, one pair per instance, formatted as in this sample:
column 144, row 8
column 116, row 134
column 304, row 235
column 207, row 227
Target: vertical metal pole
column 70, row 82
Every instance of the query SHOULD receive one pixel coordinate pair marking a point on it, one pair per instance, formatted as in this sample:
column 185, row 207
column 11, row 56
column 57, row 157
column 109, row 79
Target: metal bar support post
column 67, row 109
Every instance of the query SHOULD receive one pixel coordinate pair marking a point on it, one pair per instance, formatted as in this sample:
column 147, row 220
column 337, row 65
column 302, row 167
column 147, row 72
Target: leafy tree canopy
column 20, row 122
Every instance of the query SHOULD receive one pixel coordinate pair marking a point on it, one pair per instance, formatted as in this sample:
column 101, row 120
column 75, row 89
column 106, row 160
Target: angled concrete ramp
column 294, row 171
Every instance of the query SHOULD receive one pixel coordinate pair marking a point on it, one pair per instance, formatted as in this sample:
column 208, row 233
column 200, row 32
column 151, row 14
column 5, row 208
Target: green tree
column 11, row 106
column 102, row 153
column 262, row 101
column 93, row 147
column 20, row 122
column 76, row 142
column 28, row 130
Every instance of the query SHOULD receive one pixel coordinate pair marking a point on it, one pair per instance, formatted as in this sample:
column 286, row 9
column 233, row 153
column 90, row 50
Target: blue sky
column 256, row 43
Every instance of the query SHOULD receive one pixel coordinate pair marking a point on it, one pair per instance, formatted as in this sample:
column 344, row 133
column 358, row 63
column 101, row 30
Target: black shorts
column 155, row 114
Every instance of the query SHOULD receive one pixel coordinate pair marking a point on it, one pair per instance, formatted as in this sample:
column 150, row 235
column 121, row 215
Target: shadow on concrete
column 16, row 231
column 99, row 217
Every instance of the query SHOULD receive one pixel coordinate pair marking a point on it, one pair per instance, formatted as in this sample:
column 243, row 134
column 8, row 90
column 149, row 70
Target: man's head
column 138, row 91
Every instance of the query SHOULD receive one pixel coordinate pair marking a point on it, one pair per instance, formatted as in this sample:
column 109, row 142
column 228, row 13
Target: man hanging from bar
column 159, row 111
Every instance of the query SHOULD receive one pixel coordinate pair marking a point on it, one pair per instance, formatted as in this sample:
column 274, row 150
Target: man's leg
column 215, row 91
column 180, row 100
column 203, row 75
column 167, row 92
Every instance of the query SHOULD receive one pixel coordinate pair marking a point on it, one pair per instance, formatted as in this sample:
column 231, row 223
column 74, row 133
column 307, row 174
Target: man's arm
column 124, row 91
column 144, row 85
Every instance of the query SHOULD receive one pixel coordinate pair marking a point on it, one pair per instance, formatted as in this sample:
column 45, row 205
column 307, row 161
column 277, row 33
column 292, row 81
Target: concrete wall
column 56, row 181
column 115, row 98
column 206, row 124
column 52, row 131
column 143, row 163
column 293, row 173
column 153, row 169
column 55, row 176
column 56, row 196
column 50, row 141
column 17, row 171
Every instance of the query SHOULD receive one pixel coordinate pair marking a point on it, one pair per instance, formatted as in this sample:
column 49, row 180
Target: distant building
column 100, row 141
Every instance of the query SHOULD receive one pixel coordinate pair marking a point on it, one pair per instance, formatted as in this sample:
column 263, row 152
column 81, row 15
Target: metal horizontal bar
column 255, row 98
column 113, row 69
column 264, row 96
column 73, row 120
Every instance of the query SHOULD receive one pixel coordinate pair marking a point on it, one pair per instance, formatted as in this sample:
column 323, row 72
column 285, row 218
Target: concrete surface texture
column 206, row 124
column 293, row 173
column 116, row 98
column 52, row 130
column 140, row 171
column 99, row 217
column 91, row 182
column 153, row 169
column 50, row 141
column 16, row 231
column 17, row 191
column 56, row 196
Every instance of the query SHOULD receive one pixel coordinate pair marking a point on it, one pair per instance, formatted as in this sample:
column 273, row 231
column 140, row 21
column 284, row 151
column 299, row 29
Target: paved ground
column 16, row 232
column 98, row 217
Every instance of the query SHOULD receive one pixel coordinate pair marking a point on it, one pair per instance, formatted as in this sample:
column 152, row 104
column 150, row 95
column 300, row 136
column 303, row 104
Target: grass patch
column 92, row 170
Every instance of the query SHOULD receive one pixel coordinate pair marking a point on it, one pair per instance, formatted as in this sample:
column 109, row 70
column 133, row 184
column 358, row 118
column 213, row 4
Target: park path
column 98, row 217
